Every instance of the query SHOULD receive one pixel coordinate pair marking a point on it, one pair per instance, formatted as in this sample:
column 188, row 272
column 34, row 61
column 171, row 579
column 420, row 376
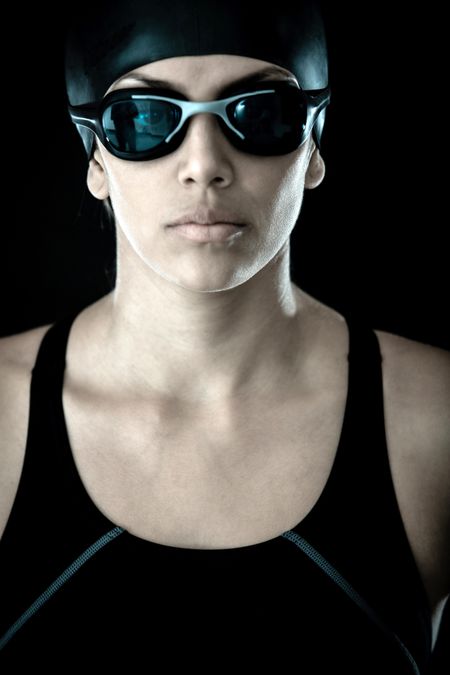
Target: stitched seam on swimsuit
column 59, row 582
column 335, row 576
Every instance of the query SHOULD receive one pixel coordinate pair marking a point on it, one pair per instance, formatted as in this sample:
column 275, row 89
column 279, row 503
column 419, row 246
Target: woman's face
column 206, row 173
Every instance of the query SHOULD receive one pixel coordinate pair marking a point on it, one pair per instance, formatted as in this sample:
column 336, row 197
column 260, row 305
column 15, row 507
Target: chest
column 215, row 480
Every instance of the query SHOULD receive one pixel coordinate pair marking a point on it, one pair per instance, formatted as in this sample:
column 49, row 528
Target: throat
column 202, row 347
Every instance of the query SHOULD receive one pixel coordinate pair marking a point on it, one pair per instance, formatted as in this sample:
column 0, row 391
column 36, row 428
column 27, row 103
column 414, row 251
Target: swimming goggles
column 270, row 118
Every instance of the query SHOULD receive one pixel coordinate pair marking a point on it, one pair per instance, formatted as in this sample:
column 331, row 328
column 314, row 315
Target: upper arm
column 17, row 358
column 416, row 383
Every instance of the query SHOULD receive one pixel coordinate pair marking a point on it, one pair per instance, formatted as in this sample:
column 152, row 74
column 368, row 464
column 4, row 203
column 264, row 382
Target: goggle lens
column 269, row 120
column 139, row 125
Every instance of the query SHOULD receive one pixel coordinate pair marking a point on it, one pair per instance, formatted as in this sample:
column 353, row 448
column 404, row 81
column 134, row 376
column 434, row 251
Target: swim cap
column 108, row 39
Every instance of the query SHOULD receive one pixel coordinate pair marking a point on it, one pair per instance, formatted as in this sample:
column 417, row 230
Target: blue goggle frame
column 274, row 119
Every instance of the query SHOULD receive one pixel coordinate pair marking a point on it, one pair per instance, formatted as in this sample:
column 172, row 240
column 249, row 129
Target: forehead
column 201, row 75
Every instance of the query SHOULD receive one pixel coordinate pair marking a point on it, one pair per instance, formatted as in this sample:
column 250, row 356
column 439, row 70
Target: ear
column 316, row 168
column 96, row 176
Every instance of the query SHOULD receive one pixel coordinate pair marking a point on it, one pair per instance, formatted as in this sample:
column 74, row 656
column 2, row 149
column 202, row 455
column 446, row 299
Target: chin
column 211, row 281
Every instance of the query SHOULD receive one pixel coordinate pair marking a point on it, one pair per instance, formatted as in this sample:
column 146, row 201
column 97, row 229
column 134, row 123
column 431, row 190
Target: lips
column 217, row 232
column 207, row 225
column 205, row 216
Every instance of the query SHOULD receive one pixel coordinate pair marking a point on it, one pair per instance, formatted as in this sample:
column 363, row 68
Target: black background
column 370, row 239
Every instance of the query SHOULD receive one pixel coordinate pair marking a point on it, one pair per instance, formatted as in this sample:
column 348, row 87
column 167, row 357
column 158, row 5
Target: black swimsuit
column 340, row 592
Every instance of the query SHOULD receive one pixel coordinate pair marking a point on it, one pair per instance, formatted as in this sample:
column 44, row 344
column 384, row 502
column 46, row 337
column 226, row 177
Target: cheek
column 281, row 191
column 133, row 190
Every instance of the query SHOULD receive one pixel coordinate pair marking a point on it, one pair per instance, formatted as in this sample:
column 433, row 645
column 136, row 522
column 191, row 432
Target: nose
column 204, row 157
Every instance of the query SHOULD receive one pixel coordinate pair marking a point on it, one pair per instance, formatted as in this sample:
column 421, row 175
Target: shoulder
column 417, row 362
column 22, row 348
column 416, row 380
column 17, row 357
column 416, row 389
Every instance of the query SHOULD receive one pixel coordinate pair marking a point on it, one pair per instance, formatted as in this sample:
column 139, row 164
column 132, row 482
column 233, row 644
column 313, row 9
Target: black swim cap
column 110, row 38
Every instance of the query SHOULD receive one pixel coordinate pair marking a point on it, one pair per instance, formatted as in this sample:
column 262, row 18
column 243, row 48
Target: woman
column 217, row 466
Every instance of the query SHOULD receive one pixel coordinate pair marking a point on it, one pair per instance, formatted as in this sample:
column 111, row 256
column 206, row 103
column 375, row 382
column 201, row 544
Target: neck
column 201, row 347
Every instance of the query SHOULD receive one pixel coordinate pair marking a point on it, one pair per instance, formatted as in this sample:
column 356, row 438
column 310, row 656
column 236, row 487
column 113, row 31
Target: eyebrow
column 242, row 81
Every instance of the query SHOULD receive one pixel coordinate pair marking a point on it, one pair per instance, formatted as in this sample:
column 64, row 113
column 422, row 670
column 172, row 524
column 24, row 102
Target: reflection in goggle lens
column 137, row 126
